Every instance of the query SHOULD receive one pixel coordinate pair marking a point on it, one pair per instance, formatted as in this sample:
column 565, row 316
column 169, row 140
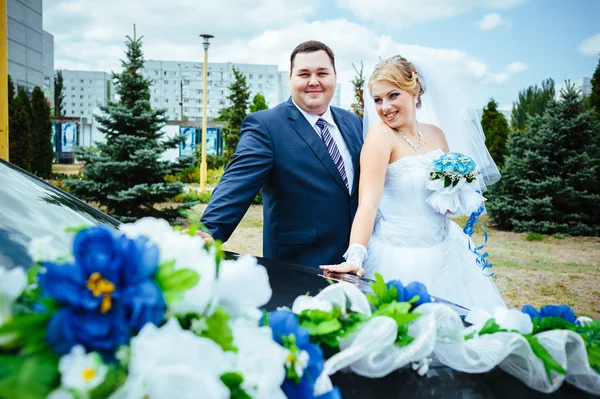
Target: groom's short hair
column 310, row 47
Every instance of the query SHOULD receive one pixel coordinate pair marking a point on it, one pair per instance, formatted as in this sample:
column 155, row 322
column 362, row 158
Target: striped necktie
column 333, row 149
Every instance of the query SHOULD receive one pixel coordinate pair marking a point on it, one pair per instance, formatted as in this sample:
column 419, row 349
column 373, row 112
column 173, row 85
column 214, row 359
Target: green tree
column 496, row 131
column 550, row 177
column 41, row 135
column 594, row 97
column 240, row 93
column 59, row 96
column 358, row 106
column 258, row 103
column 126, row 174
column 19, row 127
column 531, row 102
column 11, row 90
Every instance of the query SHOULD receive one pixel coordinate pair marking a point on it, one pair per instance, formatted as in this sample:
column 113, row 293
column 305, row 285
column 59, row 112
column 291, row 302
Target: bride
column 395, row 232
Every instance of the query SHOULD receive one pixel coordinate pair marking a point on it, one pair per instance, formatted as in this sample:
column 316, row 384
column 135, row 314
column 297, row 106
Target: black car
column 31, row 207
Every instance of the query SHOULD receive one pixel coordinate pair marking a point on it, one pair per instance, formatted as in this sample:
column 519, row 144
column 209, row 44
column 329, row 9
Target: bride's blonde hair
column 401, row 73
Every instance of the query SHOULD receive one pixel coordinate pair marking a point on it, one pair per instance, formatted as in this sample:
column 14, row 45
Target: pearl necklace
column 415, row 147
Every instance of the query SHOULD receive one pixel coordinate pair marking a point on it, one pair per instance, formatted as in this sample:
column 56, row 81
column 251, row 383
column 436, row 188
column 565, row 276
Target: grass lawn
column 551, row 271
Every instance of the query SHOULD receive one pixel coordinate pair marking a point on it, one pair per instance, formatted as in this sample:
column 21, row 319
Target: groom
column 304, row 154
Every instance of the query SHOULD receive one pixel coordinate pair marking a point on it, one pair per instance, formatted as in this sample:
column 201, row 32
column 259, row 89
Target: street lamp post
column 203, row 168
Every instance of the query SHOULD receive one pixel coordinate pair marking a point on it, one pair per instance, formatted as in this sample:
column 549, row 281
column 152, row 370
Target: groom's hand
column 205, row 236
column 344, row 268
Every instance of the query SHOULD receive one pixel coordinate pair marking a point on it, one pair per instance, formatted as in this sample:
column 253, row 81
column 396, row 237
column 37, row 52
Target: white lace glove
column 356, row 255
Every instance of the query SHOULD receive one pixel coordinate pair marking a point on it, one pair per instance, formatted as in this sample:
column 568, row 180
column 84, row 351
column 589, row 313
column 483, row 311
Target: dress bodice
column 404, row 217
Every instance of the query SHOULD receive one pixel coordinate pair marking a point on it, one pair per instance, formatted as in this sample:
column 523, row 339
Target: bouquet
column 452, row 181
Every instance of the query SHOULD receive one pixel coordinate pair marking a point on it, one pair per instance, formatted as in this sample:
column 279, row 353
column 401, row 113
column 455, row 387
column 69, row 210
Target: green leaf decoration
column 542, row 353
column 379, row 288
column 33, row 272
column 173, row 283
column 234, row 381
column 551, row 323
column 490, row 327
column 591, row 336
column 28, row 377
column 322, row 328
column 26, row 331
column 193, row 229
column 76, row 229
column 219, row 330
column 115, row 379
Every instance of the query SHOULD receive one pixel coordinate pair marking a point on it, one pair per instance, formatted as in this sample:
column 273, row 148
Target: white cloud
column 510, row 70
column 590, row 46
column 493, row 21
column 405, row 13
column 516, row 67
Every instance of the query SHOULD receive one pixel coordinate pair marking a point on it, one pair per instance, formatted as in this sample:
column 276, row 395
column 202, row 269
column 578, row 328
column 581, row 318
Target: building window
column 81, row 96
column 250, row 76
column 80, row 80
column 166, row 82
column 166, row 100
column 186, row 82
column 271, row 76
column 260, row 85
column 260, row 76
column 165, row 73
column 185, row 100
column 72, row 88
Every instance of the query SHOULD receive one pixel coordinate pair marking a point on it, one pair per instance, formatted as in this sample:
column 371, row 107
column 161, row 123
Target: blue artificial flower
column 407, row 293
column 461, row 168
column 285, row 324
column 563, row 311
column 471, row 165
column 107, row 291
column 449, row 168
column 437, row 166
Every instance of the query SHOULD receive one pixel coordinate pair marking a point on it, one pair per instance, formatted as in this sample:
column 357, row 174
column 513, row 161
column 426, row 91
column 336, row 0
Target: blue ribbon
column 469, row 229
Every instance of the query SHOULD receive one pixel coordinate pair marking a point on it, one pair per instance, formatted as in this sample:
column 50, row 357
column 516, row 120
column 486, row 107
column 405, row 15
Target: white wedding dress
column 412, row 242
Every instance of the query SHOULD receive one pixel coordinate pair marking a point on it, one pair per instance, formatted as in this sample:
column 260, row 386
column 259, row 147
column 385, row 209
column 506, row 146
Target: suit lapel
column 310, row 136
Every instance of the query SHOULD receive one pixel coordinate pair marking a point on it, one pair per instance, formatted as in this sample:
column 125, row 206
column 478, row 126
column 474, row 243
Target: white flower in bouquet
column 507, row 319
column 169, row 362
column 259, row 359
column 81, row 372
column 305, row 302
column 12, row 284
column 243, row 286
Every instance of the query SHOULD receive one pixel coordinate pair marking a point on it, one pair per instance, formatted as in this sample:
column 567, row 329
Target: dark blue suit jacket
column 308, row 211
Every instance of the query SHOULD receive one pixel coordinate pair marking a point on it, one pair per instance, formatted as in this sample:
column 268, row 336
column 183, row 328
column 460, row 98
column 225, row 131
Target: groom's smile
column 312, row 81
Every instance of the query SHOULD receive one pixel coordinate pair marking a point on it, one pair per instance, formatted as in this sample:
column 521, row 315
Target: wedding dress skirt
column 412, row 242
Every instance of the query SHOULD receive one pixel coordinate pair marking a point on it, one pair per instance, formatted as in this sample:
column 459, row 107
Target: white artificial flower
column 305, row 302
column 12, row 284
column 243, row 287
column 187, row 252
column 60, row 394
column 259, row 359
column 80, row 371
column 169, row 362
column 47, row 249
column 299, row 362
column 508, row 319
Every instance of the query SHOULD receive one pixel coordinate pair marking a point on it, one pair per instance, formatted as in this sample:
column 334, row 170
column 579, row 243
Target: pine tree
column 532, row 101
column 358, row 106
column 240, row 93
column 258, row 103
column 594, row 97
column 19, row 127
column 126, row 174
column 59, row 96
column 496, row 131
column 550, row 177
column 41, row 135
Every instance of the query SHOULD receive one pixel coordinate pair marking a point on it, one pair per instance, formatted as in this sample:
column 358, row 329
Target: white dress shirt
column 337, row 137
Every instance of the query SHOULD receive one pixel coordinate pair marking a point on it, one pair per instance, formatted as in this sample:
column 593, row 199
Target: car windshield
column 31, row 208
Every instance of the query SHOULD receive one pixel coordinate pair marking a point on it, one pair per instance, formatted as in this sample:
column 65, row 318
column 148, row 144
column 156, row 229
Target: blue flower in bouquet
column 461, row 168
column 306, row 358
column 106, row 291
column 413, row 289
column 449, row 167
column 438, row 167
column 563, row 311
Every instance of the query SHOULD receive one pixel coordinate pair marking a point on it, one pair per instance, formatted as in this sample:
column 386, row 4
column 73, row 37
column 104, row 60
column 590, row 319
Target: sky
column 494, row 48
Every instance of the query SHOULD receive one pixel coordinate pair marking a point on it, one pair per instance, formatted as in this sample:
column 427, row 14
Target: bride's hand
column 344, row 268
